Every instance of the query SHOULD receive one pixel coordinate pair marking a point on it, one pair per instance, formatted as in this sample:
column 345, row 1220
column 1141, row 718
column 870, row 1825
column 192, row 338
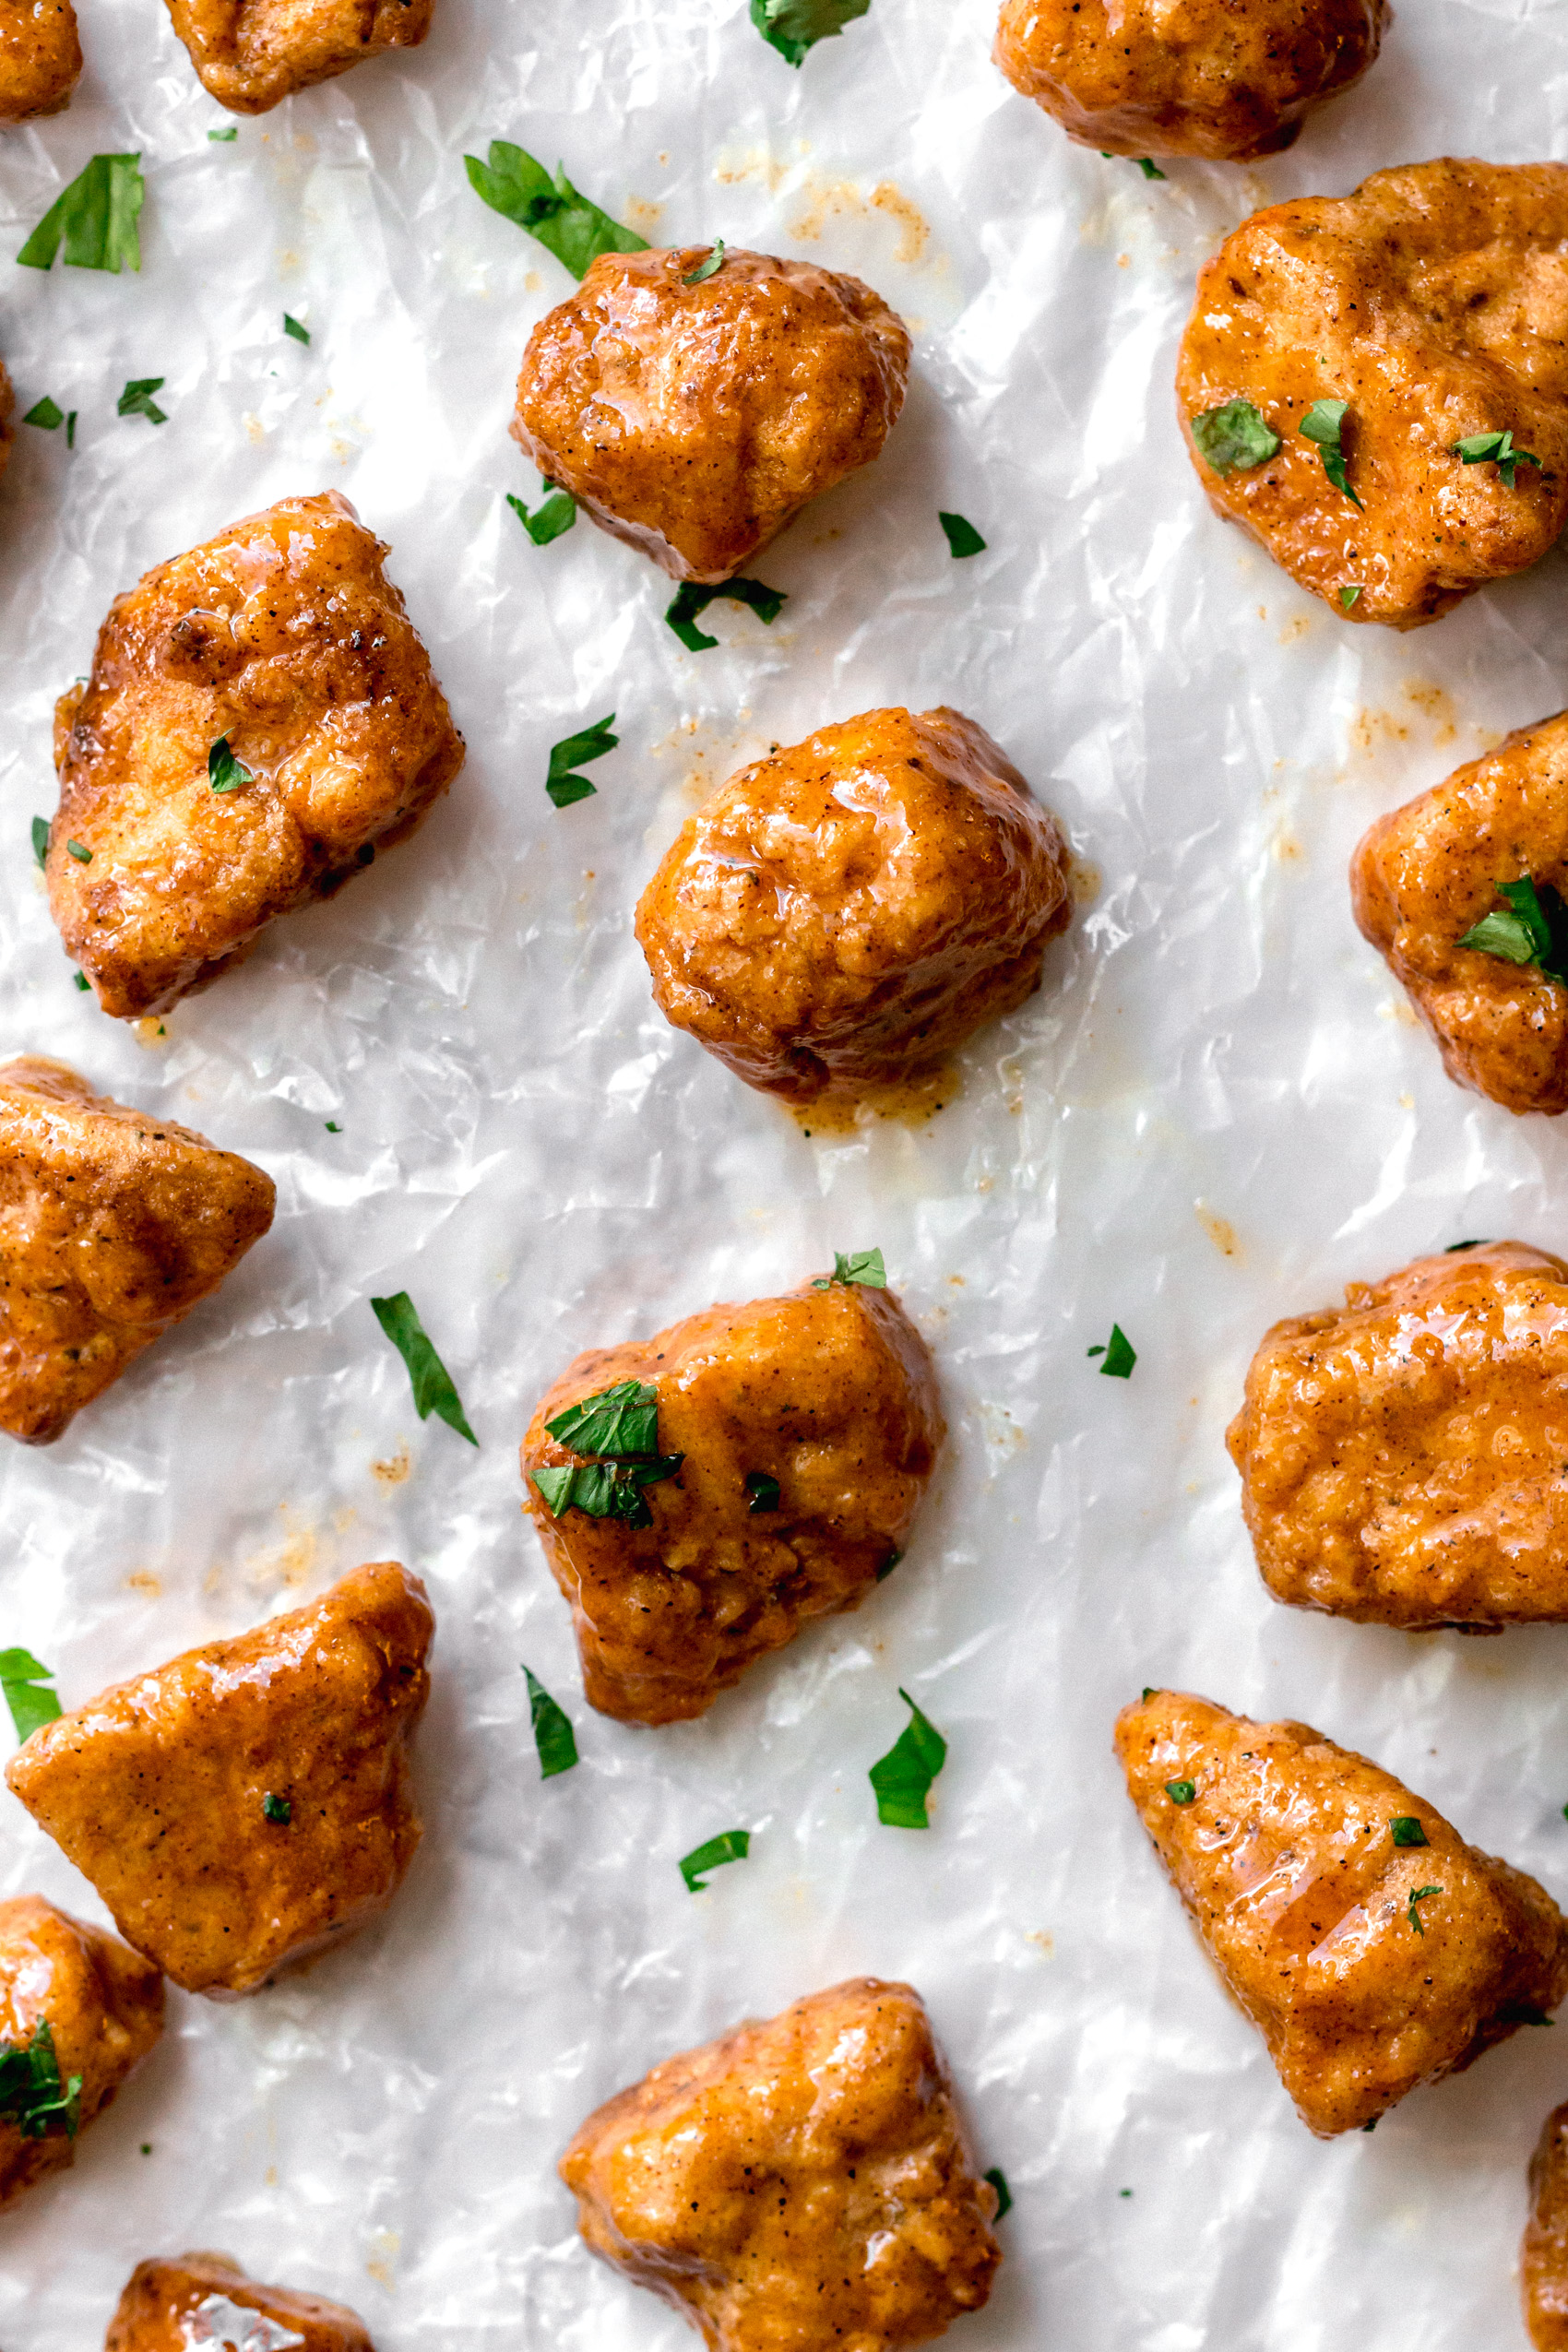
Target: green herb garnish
column 563, row 220
column 1119, row 1353
column 1234, row 438
column 46, row 414
column 888, row 1566
column 563, row 787
column 1348, row 597
column 225, row 773
column 1325, row 423
column 332, row 1127
column 83, row 983
column 998, row 2181
column 25, row 1685
column 762, row 1488
column 794, row 25
column 1420, row 1895
column 962, row 537
column 1148, row 167
column 1494, row 449
column 730, row 1846
column 556, row 514
column 862, row 1266
column 709, row 269
column 278, row 1809
column 605, row 1490
column 552, row 1734
column 1405, row 1830
column 40, row 840
column 1533, row 930
column 1464, row 1245
column 1181, row 1792
column 137, row 399
column 71, row 430
column 291, row 327
column 82, row 855
column 621, row 1421
column 692, row 597
column 95, row 217
column 433, row 1384
column 31, row 2095
column 902, row 1778
column 221, row 138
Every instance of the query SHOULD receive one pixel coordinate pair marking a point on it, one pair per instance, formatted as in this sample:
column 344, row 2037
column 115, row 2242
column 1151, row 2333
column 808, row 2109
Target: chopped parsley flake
column 864, row 1266
column 1494, row 449
column 435, row 1391
column 41, row 838
column 333, row 1128
column 278, row 1809
column 83, row 856
column 794, row 25
column 709, row 269
column 888, row 1566
column 730, row 1846
column 1420, row 1895
column 513, row 184
column 1119, row 1353
column 1448, row 1252
column 222, row 138
column 1148, row 167
column 25, row 1684
column 998, row 2181
column 552, row 1734
column 693, row 597
column 1181, row 1792
column 621, row 1421
column 291, row 327
column 1405, row 1830
column 902, row 1778
column 137, row 399
column 1348, row 597
column 605, row 1490
column 95, row 218
column 225, row 773
column 763, row 1490
column 563, row 787
column 962, row 537
column 32, row 2094
column 1533, row 930
column 547, row 522
column 46, row 414
column 1234, row 438
column 1325, row 423
column 83, row 983
column 71, row 430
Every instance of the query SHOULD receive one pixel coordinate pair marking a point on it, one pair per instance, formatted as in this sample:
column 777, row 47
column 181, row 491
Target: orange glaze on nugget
column 695, row 421
column 251, row 54
column 196, row 2300
column 40, row 57
column 1543, row 2259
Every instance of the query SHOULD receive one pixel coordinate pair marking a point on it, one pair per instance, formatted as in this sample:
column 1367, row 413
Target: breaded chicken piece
column 112, row 1226
column 7, row 419
column 1404, row 1458
column 803, row 2183
column 283, row 639
column 1372, row 1948
column 40, row 57
column 1228, row 79
column 841, row 915
column 1424, row 876
column 1433, row 303
column 695, row 421
column 84, row 2011
column 1543, row 2258
column 249, row 1804
column 830, row 1392
column 200, row 2299
column 251, row 54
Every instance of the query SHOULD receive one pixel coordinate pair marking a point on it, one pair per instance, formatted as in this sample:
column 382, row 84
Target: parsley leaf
column 46, row 414
column 794, row 25
column 730, row 1846
column 763, row 1488
column 998, row 2181
column 692, row 597
column 563, row 787
column 1420, row 1895
column 605, row 1490
column 862, row 1266
column 1348, row 596
column 83, row 983
column 23, row 1681
column 41, row 838
column 222, row 138
column 225, row 773
column 1181, row 1792
column 278, row 1809
column 555, row 515
column 1234, row 438
column 1494, row 449
column 565, row 223
column 1405, row 1830
column 31, row 2095
column 1533, row 930
column 1450, row 1247
column 432, row 1386
column 1148, row 167
column 291, row 327
column 709, row 269
column 1325, row 423
column 621, row 1421
column 77, row 849
column 552, row 1734
column 888, row 1566
column 137, row 399
column 1119, row 1353
column 962, row 537
column 902, row 1778
column 96, row 217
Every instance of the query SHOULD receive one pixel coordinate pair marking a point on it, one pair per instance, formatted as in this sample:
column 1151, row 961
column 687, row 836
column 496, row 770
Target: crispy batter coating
column 283, row 638
column 195, row 2301
column 1404, row 1458
column 7, row 417
column 842, row 914
column 1434, row 301
column 695, row 421
column 804, row 2183
column 1543, row 2258
column 40, row 57
column 105, row 2009
column 1369, row 1967
column 1425, row 875
column 156, row 1790
column 251, row 54
column 833, row 1393
column 112, row 1226
column 1228, row 79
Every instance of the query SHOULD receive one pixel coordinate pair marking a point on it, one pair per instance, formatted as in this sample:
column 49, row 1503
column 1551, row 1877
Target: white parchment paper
column 1216, row 1110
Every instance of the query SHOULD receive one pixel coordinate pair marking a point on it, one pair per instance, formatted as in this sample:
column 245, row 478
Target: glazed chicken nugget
column 842, row 914
column 7, row 419
column 260, row 720
column 251, row 54
column 1431, row 885
column 1376, row 385
column 1372, row 1948
column 1228, row 79
column 755, row 1466
column 695, row 421
column 249, row 1804
column 40, row 57
column 1404, row 1458
column 112, row 1226
column 78, row 2011
column 806, row 2183
column 1543, row 2258
column 194, row 2301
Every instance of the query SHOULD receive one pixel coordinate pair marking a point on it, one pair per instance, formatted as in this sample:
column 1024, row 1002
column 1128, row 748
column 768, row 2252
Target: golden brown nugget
column 1543, row 2258
column 249, row 1804
column 695, row 421
column 803, row 2183
column 841, row 915
column 283, row 639
column 251, row 54
column 1404, row 1458
column 40, row 57
column 1424, row 876
column 114, row 1225
column 829, row 1391
column 1228, row 79
column 194, row 2301
column 84, row 2012
column 1434, row 302
column 1372, row 1948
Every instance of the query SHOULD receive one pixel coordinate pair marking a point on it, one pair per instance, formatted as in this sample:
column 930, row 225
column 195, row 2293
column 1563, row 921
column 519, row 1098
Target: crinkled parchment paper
column 1215, row 1111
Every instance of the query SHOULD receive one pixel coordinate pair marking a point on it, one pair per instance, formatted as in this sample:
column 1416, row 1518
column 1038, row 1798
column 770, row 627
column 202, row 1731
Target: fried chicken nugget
column 1543, row 2259
column 196, row 2300
column 251, row 54
column 40, row 57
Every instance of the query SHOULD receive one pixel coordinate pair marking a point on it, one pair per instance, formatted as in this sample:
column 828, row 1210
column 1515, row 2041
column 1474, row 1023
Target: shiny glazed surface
column 831, row 1392
column 845, row 912
column 1543, row 2257
column 1286, row 1863
column 105, row 2009
column 1435, row 299
column 40, row 57
column 251, row 54
column 157, row 2312
column 154, row 1790
column 695, row 421
column 799, row 2186
column 1228, row 79
column 112, row 1226
column 1424, row 875
column 284, row 635
column 1404, row 1458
